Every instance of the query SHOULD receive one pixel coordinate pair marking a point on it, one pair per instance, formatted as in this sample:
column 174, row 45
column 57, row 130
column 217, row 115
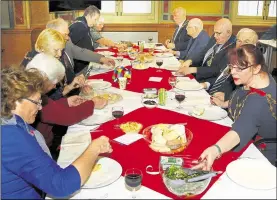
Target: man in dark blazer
column 180, row 37
column 215, row 55
column 198, row 41
column 80, row 33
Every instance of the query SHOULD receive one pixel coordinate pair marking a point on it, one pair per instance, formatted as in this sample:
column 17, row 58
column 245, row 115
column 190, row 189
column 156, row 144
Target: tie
column 218, row 83
column 210, row 57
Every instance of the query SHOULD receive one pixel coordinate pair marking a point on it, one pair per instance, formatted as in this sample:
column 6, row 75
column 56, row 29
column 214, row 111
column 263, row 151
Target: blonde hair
column 56, row 23
column 47, row 38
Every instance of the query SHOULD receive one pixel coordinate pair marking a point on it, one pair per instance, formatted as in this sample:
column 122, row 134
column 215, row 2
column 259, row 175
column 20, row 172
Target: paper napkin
column 155, row 79
column 128, row 138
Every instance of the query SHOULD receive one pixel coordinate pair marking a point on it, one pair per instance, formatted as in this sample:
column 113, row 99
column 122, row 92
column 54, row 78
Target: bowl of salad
column 176, row 180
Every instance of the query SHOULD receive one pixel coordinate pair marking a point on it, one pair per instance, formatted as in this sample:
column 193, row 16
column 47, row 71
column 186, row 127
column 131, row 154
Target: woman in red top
column 65, row 111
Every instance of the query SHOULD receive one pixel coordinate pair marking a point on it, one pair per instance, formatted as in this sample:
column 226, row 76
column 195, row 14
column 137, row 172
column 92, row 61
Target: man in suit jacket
column 80, row 33
column 244, row 36
column 198, row 41
column 180, row 38
column 214, row 56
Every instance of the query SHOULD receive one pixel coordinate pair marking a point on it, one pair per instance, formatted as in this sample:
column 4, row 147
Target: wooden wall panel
column 39, row 13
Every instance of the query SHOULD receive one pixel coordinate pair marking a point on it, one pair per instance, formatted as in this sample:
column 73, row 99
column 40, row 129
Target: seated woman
column 65, row 111
column 26, row 164
column 52, row 42
column 252, row 106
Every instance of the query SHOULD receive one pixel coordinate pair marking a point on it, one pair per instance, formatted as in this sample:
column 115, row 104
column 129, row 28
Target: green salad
column 178, row 173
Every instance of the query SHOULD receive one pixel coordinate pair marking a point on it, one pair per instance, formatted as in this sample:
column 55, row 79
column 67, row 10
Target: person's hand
column 102, row 144
column 99, row 102
column 171, row 46
column 171, row 51
column 107, row 61
column 219, row 95
column 75, row 100
column 216, row 101
column 86, row 89
column 207, row 159
column 183, row 71
column 167, row 42
column 204, row 85
column 78, row 81
column 186, row 63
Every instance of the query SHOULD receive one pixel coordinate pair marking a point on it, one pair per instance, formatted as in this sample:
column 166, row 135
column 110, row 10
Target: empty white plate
column 255, row 174
column 188, row 85
column 211, row 112
column 108, row 173
column 98, row 84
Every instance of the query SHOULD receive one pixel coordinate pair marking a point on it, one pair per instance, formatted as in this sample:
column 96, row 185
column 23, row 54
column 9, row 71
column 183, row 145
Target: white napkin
column 128, row 138
column 155, row 79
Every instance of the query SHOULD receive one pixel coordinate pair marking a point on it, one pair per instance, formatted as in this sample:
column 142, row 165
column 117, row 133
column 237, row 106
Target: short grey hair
column 49, row 66
column 56, row 23
column 92, row 11
column 196, row 22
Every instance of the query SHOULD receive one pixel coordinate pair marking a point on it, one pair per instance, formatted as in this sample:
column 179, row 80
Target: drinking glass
column 159, row 62
column 150, row 39
column 180, row 97
column 172, row 81
column 117, row 112
column 133, row 178
column 120, row 59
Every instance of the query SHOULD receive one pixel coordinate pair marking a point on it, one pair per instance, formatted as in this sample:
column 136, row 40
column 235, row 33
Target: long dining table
column 139, row 155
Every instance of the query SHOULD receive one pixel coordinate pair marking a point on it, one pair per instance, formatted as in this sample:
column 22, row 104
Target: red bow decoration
column 259, row 92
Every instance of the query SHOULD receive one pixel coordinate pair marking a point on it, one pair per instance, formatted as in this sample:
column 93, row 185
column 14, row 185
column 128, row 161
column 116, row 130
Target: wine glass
column 117, row 112
column 150, row 39
column 120, row 59
column 180, row 97
column 159, row 62
column 133, row 178
column 172, row 81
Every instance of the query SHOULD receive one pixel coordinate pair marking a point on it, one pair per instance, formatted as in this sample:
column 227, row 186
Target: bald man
column 180, row 38
column 224, row 85
column 198, row 41
column 214, row 56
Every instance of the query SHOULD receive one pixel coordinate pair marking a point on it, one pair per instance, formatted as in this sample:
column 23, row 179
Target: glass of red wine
column 159, row 62
column 117, row 112
column 180, row 97
column 133, row 178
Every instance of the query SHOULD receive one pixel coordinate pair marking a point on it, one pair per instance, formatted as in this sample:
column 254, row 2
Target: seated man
column 180, row 38
column 97, row 38
column 214, row 55
column 80, row 33
column 224, row 84
column 198, row 41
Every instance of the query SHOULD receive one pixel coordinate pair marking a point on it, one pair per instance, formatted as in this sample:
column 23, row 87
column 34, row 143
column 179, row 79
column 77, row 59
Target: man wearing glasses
column 214, row 56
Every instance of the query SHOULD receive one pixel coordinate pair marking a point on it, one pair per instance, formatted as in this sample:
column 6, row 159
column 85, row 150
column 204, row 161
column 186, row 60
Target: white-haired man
column 73, row 51
column 198, row 41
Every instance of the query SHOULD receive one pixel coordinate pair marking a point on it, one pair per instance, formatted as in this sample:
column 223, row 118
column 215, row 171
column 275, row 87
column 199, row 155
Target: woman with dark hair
column 252, row 105
column 26, row 164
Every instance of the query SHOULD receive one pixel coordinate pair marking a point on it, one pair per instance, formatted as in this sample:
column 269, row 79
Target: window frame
column 246, row 20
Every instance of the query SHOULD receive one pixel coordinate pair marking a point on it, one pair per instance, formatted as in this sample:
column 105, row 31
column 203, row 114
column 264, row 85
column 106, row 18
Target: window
column 254, row 12
column 130, row 11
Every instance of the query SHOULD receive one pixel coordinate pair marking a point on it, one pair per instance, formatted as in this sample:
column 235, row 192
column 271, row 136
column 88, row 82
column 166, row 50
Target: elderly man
column 80, row 33
column 214, row 56
column 224, row 85
column 198, row 41
column 97, row 38
column 180, row 38
column 74, row 52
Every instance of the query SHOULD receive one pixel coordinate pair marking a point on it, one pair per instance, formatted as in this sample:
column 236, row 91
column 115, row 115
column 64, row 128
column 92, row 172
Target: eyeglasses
column 217, row 33
column 38, row 103
column 239, row 68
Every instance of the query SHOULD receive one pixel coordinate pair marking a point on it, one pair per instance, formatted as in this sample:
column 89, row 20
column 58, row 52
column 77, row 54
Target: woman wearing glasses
column 252, row 105
column 26, row 163
column 64, row 111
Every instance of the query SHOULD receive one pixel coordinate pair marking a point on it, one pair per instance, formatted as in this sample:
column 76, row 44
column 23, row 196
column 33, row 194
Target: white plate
column 211, row 113
column 163, row 55
column 188, row 85
column 252, row 173
column 110, row 171
column 98, row 84
column 106, row 53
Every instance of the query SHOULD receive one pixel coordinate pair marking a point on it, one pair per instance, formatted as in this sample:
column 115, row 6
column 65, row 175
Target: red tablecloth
column 139, row 154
